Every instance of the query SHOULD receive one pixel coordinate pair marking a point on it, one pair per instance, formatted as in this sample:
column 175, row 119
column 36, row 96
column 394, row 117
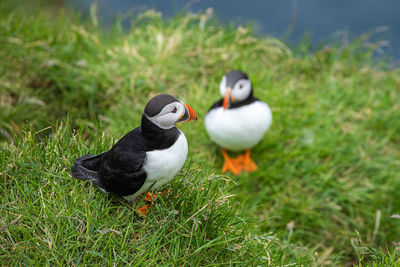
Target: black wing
column 85, row 167
column 121, row 171
column 118, row 170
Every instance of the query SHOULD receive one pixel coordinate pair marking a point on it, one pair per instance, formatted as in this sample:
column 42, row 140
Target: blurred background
column 289, row 20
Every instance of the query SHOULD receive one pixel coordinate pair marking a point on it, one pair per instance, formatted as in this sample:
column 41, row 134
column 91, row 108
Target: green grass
column 329, row 167
column 49, row 217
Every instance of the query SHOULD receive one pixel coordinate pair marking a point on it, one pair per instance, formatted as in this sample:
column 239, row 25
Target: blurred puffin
column 238, row 121
column 147, row 157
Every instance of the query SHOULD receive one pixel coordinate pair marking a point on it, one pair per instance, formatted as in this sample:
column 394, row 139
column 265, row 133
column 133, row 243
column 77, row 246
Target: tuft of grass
column 329, row 167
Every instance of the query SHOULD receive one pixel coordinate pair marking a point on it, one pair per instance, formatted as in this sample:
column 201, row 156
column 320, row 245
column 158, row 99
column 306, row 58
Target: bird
column 238, row 121
column 146, row 158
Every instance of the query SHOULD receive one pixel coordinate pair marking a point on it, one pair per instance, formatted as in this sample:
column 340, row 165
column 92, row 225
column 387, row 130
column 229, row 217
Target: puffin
column 238, row 121
column 146, row 158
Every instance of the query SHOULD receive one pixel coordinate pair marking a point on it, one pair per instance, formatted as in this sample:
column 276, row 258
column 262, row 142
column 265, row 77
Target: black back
column 148, row 137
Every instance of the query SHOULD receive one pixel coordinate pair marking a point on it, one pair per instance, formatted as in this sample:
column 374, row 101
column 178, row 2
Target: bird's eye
column 174, row 110
column 241, row 86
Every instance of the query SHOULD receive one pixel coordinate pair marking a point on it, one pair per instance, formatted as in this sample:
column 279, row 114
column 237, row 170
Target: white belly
column 239, row 128
column 161, row 166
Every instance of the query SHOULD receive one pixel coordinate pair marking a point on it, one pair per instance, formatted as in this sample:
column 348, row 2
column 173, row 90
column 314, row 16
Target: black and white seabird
column 238, row 121
column 147, row 157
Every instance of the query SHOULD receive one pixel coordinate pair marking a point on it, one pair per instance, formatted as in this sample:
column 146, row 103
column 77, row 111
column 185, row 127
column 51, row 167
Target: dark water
column 326, row 20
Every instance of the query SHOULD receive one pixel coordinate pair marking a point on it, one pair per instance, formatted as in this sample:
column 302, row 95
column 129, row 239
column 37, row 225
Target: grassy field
column 328, row 182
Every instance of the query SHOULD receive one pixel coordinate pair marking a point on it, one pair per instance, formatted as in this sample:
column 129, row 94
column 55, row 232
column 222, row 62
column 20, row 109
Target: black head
column 234, row 76
column 165, row 110
column 157, row 103
column 235, row 87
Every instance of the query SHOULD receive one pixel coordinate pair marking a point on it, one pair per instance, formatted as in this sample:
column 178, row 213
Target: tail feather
column 85, row 168
column 79, row 171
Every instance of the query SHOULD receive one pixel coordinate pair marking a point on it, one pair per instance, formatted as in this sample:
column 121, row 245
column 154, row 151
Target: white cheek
column 241, row 93
column 167, row 121
column 222, row 86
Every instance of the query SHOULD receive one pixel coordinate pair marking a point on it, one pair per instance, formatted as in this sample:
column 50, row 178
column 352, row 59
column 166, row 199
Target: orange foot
column 232, row 164
column 150, row 197
column 144, row 210
column 248, row 163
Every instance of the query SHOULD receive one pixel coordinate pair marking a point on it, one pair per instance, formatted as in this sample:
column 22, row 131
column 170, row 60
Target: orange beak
column 188, row 115
column 227, row 97
column 192, row 114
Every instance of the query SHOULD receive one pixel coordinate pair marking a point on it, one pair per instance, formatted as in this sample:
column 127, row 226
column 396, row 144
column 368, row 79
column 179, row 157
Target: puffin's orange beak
column 192, row 114
column 227, row 97
column 188, row 115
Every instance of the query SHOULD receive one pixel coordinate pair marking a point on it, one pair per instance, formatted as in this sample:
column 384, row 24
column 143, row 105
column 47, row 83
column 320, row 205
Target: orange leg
column 230, row 164
column 144, row 210
column 248, row 163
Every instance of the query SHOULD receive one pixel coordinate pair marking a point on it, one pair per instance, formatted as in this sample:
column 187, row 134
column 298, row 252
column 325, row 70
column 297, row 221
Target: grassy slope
column 51, row 218
column 329, row 166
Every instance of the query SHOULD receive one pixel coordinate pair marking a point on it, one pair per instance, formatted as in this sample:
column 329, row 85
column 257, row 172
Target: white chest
column 166, row 163
column 239, row 128
column 161, row 166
